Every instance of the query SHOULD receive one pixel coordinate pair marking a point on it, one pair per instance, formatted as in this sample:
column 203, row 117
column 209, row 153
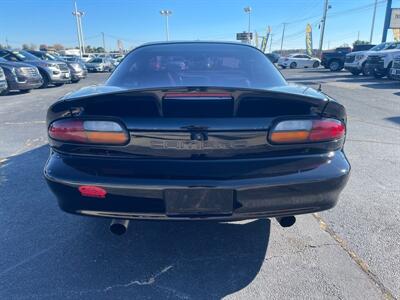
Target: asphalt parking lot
column 349, row 252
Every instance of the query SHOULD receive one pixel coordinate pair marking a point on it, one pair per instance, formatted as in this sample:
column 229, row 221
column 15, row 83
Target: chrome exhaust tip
column 286, row 221
column 119, row 226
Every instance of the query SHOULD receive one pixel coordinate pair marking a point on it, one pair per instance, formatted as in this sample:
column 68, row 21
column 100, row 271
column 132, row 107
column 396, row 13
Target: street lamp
column 166, row 13
column 247, row 10
column 78, row 15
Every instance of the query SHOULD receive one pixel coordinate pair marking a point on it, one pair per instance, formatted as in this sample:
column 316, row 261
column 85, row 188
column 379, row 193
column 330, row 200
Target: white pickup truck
column 355, row 62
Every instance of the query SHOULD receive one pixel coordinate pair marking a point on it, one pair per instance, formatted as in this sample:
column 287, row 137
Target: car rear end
column 195, row 153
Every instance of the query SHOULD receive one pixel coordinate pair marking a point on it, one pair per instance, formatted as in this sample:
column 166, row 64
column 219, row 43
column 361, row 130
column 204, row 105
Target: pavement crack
column 358, row 260
column 149, row 281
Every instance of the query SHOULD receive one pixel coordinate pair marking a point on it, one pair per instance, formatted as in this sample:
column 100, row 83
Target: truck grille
column 350, row 58
column 63, row 67
column 374, row 59
column 396, row 63
column 30, row 71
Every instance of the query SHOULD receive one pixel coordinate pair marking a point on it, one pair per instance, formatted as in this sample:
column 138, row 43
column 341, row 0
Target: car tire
column 5, row 92
column 315, row 64
column 355, row 72
column 25, row 91
column 365, row 71
column 75, row 81
column 334, row 66
column 46, row 80
column 59, row 84
column 293, row 65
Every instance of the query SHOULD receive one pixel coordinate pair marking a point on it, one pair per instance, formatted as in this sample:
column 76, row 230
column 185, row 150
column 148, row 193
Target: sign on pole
column 309, row 47
column 244, row 36
column 395, row 18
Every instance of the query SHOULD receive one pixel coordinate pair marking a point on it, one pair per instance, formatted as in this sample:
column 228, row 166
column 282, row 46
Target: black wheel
column 365, row 71
column 5, row 92
column 75, row 81
column 59, row 84
column 46, row 80
column 315, row 64
column 355, row 72
column 24, row 91
column 334, row 66
column 293, row 65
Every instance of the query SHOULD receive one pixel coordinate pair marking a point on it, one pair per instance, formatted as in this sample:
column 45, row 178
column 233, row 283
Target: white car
column 298, row 60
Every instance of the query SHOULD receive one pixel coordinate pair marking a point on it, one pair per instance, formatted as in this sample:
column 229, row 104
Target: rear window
column 195, row 65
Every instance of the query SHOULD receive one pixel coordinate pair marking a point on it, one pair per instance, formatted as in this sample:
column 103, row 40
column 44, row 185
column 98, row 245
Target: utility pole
column 166, row 13
column 387, row 20
column 373, row 22
column 323, row 21
column 283, row 36
column 7, row 45
column 104, row 42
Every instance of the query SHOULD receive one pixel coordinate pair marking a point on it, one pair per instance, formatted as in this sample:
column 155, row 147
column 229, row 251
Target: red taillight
column 92, row 191
column 88, row 131
column 307, row 131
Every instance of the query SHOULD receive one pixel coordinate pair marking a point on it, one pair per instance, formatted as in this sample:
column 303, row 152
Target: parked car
column 78, row 65
column 273, row 57
column 298, row 60
column 100, row 64
column 20, row 76
column 395, row 69
column 223, row 138
column 355, row 62
column 3, row 81
column 52, row 72
column 334, row 59
column 76, row 70
column 379, row 64
column 87, row 56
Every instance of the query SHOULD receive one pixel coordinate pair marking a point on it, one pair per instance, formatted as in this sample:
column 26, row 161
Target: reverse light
column 307, row 131
column 88, row 132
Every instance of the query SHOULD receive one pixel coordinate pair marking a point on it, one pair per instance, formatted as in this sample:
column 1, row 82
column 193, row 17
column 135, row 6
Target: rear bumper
column 305, row 191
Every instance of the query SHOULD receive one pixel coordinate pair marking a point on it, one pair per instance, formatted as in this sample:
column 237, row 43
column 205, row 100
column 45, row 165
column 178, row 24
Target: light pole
column 373, row 22
column 166, row 13
column 323, row 21
column 78, row 15
column 247, row 10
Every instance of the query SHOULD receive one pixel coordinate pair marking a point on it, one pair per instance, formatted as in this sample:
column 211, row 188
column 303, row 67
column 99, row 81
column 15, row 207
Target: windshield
column 95, row 60
column 196, row 64
column 24, row 55
column 49, row 56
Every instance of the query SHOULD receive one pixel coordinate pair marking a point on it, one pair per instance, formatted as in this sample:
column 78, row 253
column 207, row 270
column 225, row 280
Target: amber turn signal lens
column 290, row 136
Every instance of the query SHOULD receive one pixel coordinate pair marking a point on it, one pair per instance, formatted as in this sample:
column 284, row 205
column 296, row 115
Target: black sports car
column 194, row 131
